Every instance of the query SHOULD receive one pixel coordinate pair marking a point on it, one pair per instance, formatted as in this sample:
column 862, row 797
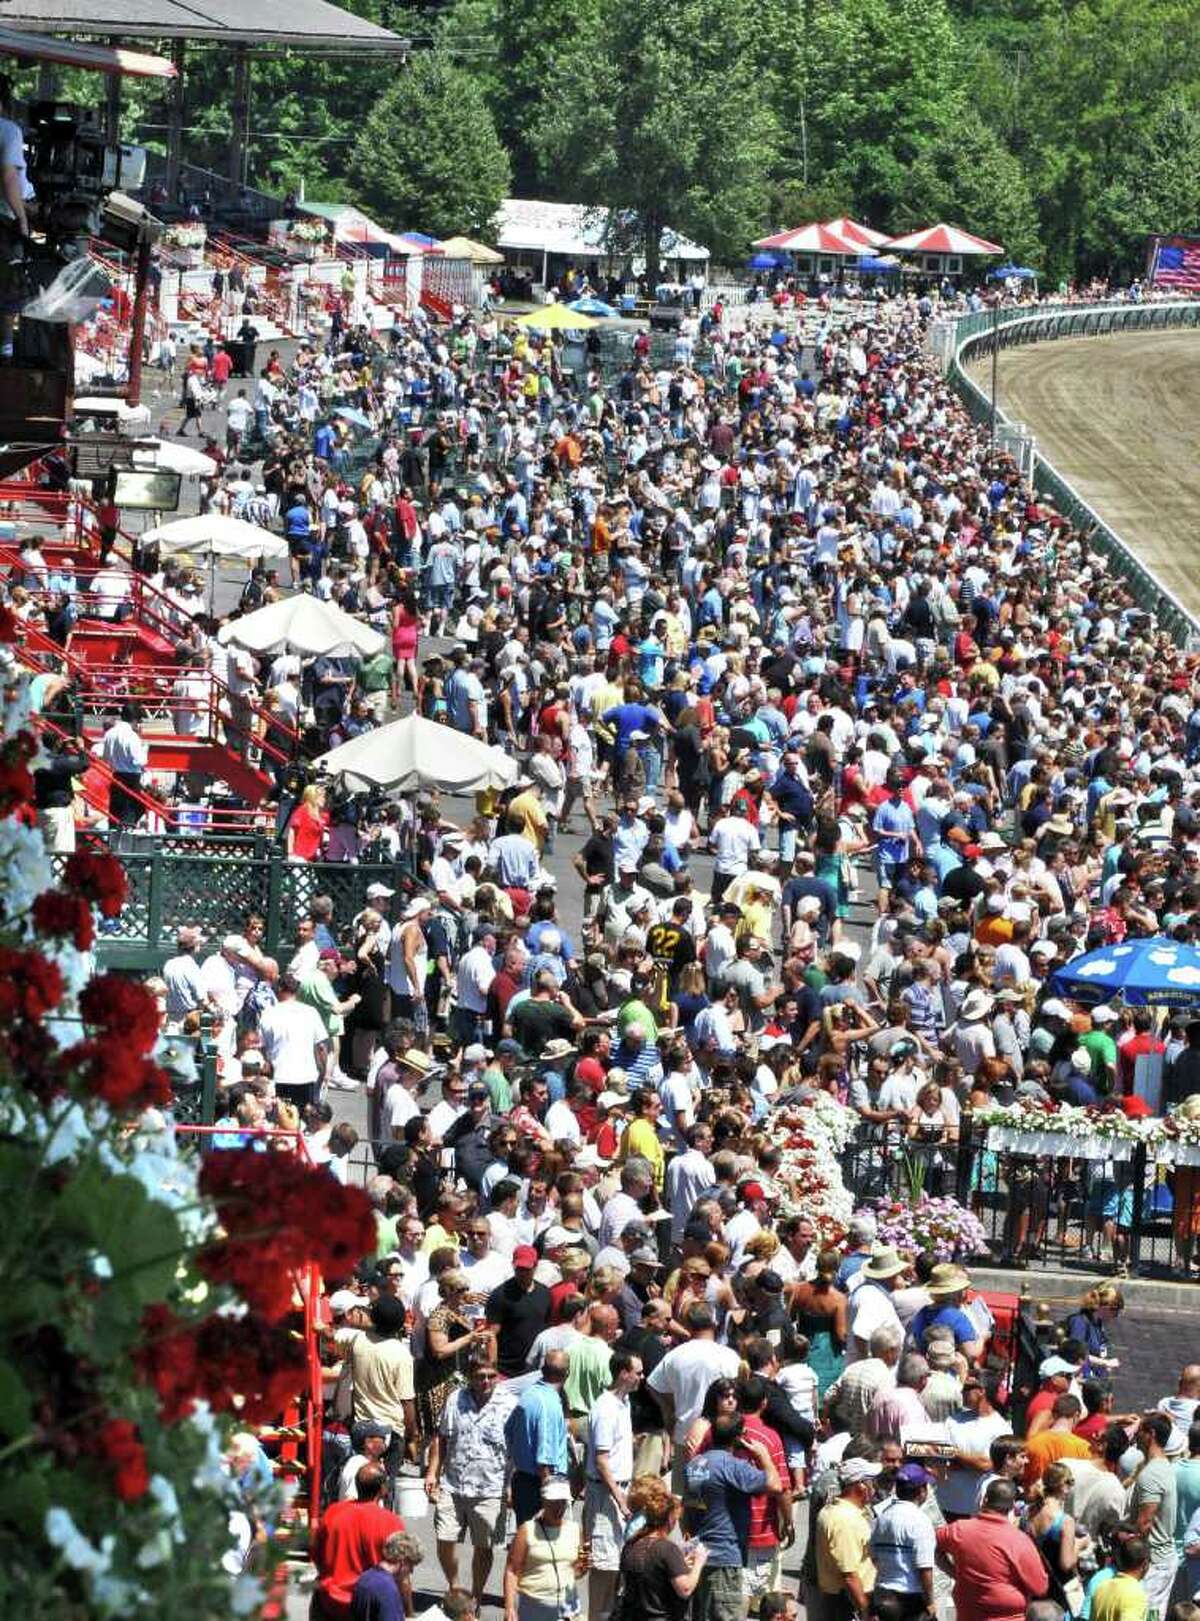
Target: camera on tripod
column 74, row 167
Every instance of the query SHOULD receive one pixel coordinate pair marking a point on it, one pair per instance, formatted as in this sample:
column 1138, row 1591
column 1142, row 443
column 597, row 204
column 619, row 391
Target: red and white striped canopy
column 868, row 239
column 943, row 239
column 811, row 239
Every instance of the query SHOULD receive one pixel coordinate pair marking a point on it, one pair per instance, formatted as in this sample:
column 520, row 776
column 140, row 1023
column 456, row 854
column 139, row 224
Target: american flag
column 1177, row 265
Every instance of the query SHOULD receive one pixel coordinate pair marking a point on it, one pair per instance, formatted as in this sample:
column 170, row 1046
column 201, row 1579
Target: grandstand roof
column 295, row 24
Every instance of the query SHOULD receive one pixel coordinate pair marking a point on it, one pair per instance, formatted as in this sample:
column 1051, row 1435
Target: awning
column 73, row 53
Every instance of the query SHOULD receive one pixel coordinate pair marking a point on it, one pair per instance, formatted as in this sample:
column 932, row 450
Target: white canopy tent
column 212, row 535
column 303, row 624
column 417, row 753
column 185, row 459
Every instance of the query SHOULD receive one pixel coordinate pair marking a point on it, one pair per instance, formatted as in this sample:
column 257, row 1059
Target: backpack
column 259, row 998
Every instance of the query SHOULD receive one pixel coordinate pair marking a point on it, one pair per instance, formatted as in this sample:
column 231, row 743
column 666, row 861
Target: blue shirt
column 628, row 718
column 323, row 443
column 951, row 1317
column 536, row 1431
column 719, row 1489
column 895, row 826
column 296, row 524
column 376, row 1597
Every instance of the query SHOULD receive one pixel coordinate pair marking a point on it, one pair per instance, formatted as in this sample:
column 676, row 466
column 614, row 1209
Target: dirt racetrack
column 1119, row 418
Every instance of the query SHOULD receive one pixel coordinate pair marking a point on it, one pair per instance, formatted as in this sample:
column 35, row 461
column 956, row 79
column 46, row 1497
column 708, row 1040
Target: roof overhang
column 74, row 53
column 294, row 25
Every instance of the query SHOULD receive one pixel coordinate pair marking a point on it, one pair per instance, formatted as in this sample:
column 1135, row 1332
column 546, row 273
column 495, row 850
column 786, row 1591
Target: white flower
column 101, row 1266
column 248, row 1595
column 62, row 1533
column 156, row 1550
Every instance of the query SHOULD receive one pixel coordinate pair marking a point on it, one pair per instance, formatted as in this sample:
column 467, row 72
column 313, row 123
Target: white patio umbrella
column 213, row 535
column 302, row 624
column 417, row 753
column 185, row 459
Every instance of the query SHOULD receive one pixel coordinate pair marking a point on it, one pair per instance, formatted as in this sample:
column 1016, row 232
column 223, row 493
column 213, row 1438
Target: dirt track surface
column 1118, row 417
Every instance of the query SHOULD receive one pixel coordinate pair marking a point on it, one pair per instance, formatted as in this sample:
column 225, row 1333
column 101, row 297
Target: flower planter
column 1166, row 1152
column 1059, row 1144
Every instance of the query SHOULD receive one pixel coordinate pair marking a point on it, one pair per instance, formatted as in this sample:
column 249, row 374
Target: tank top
column 550, row 1562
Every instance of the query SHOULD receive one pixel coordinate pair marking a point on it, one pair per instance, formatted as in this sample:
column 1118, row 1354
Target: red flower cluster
column 30, row 985
column 219, row 1360
column 126, row 1457
column 116, row 1074
column 279, row 1215
column 122, row 1008
column 64, row 917
column 16, row 786
column 99, row 878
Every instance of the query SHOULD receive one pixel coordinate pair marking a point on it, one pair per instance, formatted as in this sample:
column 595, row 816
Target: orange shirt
column 1047, row 1448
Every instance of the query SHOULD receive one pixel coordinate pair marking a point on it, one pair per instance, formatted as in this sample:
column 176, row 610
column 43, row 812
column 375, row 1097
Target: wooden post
column 112, row 102
column 137, row 330
column 175, row 119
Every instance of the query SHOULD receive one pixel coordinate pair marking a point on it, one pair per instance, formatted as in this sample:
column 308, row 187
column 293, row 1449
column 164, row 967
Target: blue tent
column 767, row 261
column 1155, row 972
column 1012, row 273
column 873, row 264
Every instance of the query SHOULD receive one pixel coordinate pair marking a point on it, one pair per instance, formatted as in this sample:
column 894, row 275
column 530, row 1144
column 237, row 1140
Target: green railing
column 975, row 337
column 169, row 888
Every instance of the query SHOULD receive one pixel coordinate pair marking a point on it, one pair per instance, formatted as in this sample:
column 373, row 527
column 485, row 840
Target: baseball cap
column 856, row 1469
column 524, row 1255
column 645, row 1256
column 914, row 1474
column 556, row 1490
column 1055, row 1009
column 1055, row 1365
column 476, row 1053
column 343, row 1300
column 330, row 954
column 752, row 1191
column 379, row 889
column 509, row 1048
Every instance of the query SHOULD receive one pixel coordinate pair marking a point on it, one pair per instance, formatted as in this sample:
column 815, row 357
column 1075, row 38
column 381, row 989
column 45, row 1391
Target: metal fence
column 173, row 886
column 1078, row 1214
column 976, row 336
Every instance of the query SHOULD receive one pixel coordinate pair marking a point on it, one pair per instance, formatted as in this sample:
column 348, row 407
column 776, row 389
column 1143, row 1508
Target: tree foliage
column 428, row 156
column 1066, row 129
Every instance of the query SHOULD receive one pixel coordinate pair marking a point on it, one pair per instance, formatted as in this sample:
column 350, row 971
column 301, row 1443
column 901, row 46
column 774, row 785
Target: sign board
column 145, row 489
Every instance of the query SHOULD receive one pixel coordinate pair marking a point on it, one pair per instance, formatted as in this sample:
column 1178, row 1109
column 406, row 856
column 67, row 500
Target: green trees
column 428, row 156
column 652, row 107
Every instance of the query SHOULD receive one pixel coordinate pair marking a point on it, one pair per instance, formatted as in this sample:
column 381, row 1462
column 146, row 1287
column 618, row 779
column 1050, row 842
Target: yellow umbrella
column 555, row 318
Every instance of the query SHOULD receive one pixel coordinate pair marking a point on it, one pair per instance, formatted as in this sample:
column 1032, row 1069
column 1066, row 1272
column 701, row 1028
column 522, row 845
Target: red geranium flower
column 64, row 917
column 117, row 1074
column 98, row 878
column 236, row 1364
column 126, row 1456
column 123, row 1007
column 30, row 985
column 16, row 786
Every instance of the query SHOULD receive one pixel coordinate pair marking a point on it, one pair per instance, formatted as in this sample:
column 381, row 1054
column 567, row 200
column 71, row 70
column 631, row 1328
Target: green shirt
column 376, row 673
column 589, row 1376
column 1102, row 1050
column 499, row 1090
column 635, row 1012
column 318, row 992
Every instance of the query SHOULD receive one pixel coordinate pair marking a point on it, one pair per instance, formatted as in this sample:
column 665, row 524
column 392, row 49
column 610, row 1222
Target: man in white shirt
column 294, row 1040
column 688, row 1175
column 637, row 1179
column 608, row 1467
column 452, row 1107
column 872, row 1307
column 185, row 983
column 734, row 838
column 682, row 1378
column 307, row 955
column 476, row 971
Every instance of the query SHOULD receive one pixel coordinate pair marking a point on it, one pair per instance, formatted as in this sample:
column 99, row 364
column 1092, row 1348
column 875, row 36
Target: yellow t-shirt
column 529, row 808
column 1123, row 1598
column 843, row 1547
column 640, row 1140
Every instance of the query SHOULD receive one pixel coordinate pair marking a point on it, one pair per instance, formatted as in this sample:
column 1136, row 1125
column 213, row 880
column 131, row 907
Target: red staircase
column 112, row 661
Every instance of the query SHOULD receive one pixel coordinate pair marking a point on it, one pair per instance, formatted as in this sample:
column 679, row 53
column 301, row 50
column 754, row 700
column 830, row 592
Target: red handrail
column 310, row 1287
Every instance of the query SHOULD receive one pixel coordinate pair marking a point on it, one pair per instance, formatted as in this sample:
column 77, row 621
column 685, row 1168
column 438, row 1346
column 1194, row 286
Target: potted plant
column 306, row 238
column 186, row 241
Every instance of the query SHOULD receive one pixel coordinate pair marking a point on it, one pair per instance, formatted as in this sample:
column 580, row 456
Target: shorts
column 603, row 1527
column 719, row 1595
column 762, row 1573
column 455, row 1516
column 885, row 871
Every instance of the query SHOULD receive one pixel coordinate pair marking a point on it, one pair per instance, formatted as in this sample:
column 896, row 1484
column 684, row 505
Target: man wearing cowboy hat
column 873, row 1308
column 973, row 1040
column 947, row 1284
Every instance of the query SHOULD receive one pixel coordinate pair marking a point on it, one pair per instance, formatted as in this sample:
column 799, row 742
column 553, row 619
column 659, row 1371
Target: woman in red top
column 308, row 825
column 406, row 633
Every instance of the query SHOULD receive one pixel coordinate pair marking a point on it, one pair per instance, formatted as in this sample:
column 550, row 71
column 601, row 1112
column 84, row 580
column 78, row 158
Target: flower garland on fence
column 146, row 1303
column 307, row 230
column 815, row 1137
column 1070, row 1120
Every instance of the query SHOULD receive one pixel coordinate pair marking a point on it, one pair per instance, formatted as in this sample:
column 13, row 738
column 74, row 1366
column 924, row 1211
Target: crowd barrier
column 976, row 336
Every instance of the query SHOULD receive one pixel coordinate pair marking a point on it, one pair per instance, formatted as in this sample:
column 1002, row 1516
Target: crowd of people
column 775, row 602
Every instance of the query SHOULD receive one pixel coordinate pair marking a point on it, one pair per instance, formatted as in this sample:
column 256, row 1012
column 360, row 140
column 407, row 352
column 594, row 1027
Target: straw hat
column 885, row 1263
column 948, row 1279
